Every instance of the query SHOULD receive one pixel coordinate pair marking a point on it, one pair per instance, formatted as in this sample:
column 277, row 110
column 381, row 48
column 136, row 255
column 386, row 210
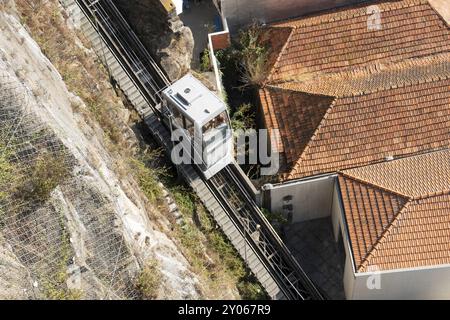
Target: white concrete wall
column 416, row 283
column 178, row 5
column 349, row 277
column 311, row 199
column 243, row 12
column 340, row 228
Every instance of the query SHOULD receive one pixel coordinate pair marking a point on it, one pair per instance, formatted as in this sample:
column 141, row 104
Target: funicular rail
column 262, row 236
column 225, row 195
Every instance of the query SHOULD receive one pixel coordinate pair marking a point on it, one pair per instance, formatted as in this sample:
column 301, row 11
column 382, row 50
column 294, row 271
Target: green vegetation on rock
column 149, row 280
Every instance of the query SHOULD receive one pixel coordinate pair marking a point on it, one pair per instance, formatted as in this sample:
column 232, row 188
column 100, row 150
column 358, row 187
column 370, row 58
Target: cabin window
column 216, row 122
column 189, row 126
column 178, row 117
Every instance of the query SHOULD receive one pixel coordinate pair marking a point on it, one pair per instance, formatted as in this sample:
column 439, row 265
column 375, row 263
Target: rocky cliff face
column 93, row 234
column 78, row 218
column 164, row 35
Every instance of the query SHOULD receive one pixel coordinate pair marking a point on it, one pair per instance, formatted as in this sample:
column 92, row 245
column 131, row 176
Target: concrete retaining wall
column 242, row 12
column 301, row 200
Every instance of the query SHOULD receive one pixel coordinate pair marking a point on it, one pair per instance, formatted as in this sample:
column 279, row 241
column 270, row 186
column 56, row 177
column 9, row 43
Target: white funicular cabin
column 191, row 106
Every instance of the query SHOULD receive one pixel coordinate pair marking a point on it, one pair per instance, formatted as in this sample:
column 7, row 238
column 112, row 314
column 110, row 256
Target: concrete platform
column 313, row 246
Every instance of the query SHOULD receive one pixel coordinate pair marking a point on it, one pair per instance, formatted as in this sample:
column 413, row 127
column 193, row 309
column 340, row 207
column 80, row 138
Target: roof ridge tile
column 360, row 180
column 277, row 60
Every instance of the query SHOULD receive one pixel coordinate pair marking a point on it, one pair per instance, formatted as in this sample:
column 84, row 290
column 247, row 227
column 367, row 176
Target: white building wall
column 417, row 283
column 243, row 12
column 310, row 199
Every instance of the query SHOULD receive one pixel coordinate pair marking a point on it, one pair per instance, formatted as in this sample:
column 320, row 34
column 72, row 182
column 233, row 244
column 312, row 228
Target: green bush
column 244, row 117
column 251, row 290
column 53, row 293
column 47, row 172
column 184, row 199
column 274, row 217
column 149, row 280
column 253, row 56
column 205, row 61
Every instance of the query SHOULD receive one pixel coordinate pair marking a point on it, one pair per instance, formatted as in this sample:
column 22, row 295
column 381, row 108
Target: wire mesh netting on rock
column 60, row 237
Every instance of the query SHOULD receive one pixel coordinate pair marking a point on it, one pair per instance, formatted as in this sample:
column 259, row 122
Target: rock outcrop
column 164, row 35
column 94, row 232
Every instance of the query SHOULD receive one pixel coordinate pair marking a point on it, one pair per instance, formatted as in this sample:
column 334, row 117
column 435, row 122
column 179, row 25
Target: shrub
column 205, row 61
column 274, row 217
column 244, row 117
column 47, row 172
column 149, row 280
column 185, row 200
column 253, row 56
column 53, row 293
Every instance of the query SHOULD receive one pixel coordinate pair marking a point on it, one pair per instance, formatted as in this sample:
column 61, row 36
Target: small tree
column 254, row 56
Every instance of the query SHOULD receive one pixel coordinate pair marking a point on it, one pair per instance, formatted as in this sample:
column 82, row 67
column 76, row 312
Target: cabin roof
column 194, row 99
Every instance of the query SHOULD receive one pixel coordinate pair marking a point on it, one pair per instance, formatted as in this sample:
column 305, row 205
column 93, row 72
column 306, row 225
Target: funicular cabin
column 203, row 118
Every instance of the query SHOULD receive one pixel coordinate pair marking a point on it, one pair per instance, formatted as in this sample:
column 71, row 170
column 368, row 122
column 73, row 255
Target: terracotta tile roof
column 296, row 131
column 358, row 130
column 376, row 78
column 369, row 211
column 399, row 224
column 431, row 174
column 393, row 100
column 341, row 39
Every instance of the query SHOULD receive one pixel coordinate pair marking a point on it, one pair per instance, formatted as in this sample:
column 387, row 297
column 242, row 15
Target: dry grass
column 149, row 280
column 210, row 253
column 47, row 172
column 79, row 69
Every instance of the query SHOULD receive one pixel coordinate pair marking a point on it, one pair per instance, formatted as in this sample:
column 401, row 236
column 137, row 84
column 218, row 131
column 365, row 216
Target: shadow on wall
column 242, row 12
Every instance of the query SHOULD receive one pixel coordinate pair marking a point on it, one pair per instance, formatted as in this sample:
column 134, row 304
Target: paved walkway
column 200, row 17
column 313, row 246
